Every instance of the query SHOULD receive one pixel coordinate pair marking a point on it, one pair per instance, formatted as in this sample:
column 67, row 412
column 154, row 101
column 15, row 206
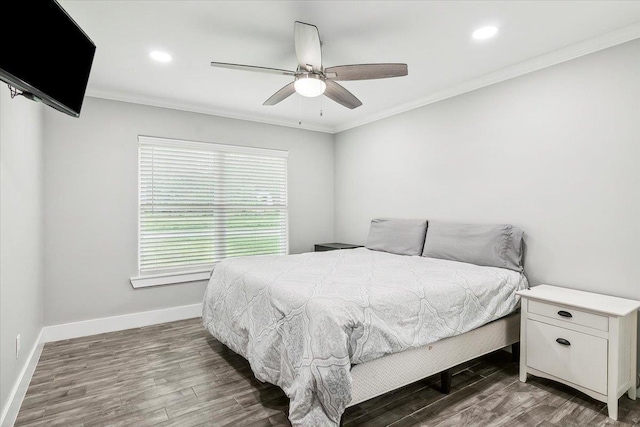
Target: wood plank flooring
column 176, row 374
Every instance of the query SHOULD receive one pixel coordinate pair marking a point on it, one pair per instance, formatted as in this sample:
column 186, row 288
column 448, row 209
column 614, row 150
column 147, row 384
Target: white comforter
column 303, row 320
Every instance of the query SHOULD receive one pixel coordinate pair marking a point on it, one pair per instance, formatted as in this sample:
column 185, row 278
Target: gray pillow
column 397, row 236
column 489, row 245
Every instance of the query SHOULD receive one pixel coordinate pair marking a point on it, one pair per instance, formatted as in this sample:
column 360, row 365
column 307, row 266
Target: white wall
column 21, row 255
column 91, row 201
column 556, row 152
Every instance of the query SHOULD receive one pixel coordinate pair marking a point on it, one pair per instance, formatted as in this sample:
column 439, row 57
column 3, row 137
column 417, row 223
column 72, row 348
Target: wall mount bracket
column 13, row 91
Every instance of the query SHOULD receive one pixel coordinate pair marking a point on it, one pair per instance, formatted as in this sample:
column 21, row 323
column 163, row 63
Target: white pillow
column 498, row 245
column 397, row 236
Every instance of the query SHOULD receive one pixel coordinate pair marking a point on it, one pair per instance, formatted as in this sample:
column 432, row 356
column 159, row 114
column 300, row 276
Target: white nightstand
column 581, row 339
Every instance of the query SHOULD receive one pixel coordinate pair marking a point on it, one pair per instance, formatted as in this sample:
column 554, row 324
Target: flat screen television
column 45, row 54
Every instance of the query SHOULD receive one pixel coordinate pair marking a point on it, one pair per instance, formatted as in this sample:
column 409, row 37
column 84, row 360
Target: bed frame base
column 447, row 375
column 379, row 376
column 515, row 352
column 445, row 381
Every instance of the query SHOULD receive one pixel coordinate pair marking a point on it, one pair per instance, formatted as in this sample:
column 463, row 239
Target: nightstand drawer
column 569, row 314
column 572, row 356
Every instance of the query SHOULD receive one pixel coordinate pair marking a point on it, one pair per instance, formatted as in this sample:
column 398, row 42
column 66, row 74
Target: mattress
column 396, row 370
column 303, row 320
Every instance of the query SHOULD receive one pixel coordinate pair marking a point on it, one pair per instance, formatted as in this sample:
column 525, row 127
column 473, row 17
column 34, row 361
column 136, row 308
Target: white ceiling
column 433, row 38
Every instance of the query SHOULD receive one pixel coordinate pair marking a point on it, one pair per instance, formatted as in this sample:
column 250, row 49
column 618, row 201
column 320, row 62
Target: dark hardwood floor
column 176, row 374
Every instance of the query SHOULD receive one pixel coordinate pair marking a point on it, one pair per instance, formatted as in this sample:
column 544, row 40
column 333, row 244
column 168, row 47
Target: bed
column 333, row 329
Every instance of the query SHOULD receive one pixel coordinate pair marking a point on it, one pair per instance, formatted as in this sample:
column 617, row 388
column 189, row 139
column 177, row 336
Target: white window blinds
column 200, row 203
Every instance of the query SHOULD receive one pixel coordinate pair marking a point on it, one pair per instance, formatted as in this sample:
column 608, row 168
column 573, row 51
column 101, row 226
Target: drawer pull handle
column 563, row 341
column 564, row 313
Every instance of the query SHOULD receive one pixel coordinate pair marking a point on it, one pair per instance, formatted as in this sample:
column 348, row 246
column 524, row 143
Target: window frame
column 143, row 280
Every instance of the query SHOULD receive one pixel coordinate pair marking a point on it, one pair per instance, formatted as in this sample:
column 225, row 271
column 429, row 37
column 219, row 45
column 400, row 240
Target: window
column 200, row 203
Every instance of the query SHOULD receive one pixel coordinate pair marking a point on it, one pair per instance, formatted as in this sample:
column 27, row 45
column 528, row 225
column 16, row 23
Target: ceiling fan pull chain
column 300, row 111
column 320, row 106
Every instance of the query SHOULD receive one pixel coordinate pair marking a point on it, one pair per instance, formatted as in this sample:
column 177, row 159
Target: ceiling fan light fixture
column 310, row 85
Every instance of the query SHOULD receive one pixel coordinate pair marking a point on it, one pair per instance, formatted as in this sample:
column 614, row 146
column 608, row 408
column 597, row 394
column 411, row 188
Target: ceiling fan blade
column 366, row 71
column 253, row 68
column 342, row 96
column 308, row 49
column 281, row 95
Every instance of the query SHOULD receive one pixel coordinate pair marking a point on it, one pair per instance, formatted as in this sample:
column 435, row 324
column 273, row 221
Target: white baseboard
column 119, row 323
column 19, row 390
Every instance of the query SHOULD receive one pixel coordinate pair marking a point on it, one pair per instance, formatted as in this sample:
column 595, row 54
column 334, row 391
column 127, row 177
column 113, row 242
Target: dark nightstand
column 323, row 247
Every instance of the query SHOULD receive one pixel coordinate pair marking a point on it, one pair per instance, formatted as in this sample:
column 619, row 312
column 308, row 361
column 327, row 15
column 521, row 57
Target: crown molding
column 184, row 106
column 603, row 41
column 610, row 39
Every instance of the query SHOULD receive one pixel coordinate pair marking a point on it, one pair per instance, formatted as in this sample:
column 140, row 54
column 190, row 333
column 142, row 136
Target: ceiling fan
column 312, row 79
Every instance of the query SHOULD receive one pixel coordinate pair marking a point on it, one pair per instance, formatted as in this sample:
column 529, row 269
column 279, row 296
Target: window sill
column 169, row 278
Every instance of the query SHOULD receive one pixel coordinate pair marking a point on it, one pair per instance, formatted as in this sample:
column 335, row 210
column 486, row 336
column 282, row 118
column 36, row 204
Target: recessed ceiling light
column 160, row 56
column 485, row 33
